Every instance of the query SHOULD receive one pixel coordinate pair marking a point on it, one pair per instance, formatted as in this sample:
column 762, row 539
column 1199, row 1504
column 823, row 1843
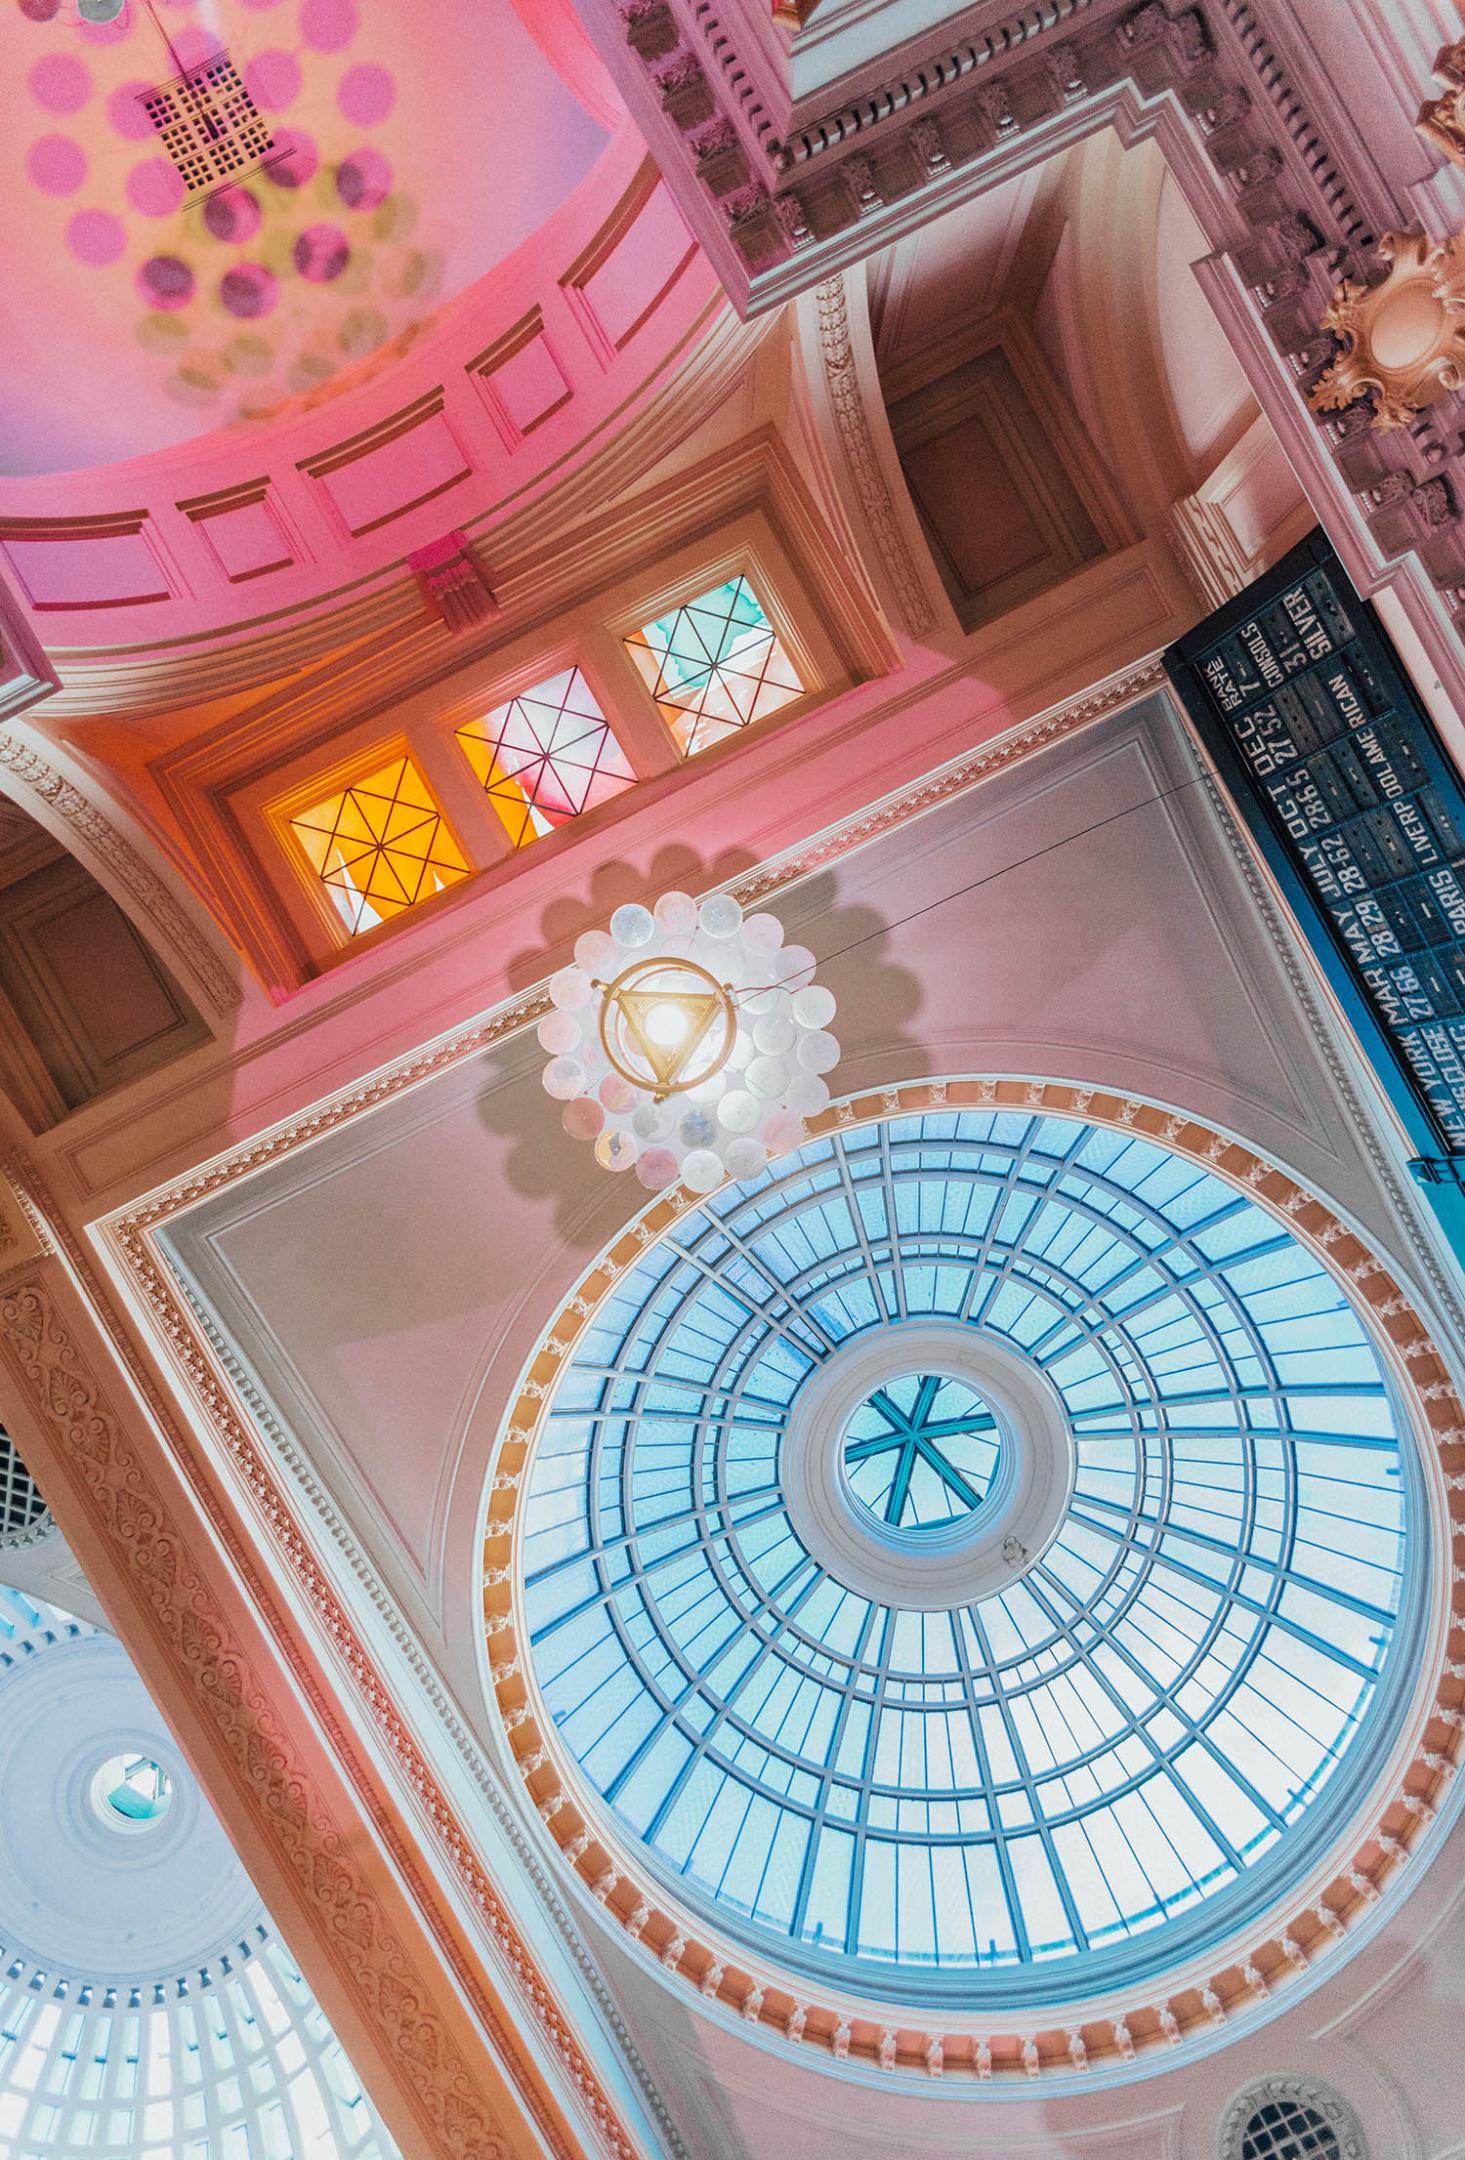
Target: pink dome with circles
column 140, row 312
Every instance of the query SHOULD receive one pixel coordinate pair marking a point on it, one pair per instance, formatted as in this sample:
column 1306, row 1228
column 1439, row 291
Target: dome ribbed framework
column 1114, row 1757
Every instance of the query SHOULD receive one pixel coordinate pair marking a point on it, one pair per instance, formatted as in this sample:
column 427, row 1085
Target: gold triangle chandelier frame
column 688, row 1041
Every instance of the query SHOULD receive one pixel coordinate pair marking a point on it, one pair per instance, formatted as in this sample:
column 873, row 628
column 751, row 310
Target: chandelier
column 688, row 1041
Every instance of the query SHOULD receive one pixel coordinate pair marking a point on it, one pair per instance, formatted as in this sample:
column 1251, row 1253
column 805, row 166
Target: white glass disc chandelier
column 688, row 1041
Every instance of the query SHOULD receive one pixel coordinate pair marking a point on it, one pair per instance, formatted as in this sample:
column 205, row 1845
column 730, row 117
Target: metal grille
column 210, row 125
column 21, row 1504
column 1287, row 2130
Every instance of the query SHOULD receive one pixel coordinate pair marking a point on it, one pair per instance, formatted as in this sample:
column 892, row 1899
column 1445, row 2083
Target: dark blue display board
column 1339, row 772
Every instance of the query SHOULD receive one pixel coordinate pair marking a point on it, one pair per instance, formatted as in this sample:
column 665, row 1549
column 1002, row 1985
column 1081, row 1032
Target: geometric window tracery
column 21, row 1505
column 1288, row 2130
column 1291, row 2117
column 546, row 756
column 379, row 846
column 714, row 665
column 1113, row 1759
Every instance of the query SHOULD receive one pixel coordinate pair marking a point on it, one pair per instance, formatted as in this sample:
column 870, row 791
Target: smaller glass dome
column 921, row 1451
column 148, row 2010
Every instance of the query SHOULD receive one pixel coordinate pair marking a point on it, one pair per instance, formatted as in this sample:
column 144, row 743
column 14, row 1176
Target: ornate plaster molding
column 26, row 675
column 159, row 909
column 22, row 1236
column 374, row 1693
column 1308, row 2092
column 451, row 581
column 64, row 1389
column 1125, row 688
column 1404, row 338
column 967, row 98
column 132, row 1235
column 720, row 1971
column 1240, row 136
column 521, row 1012
column 425, row 1678
column 853, row 423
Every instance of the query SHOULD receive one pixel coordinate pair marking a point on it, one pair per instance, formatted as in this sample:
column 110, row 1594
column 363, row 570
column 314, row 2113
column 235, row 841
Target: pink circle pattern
column 233, row 215
column 294, row 158
column 56, row 164
column 154, row 187
column 366, row 94
column 272, row 79
column 60, row 83
column 166, row 281
column 363, row 180
column 195, row 45
column 249, row 290
column 328, row 25
column 322, row 253
column 126, row 112
column 96, row 237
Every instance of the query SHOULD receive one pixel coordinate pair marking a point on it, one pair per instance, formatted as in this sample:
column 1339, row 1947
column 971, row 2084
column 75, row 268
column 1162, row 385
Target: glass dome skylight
column 924, row 1741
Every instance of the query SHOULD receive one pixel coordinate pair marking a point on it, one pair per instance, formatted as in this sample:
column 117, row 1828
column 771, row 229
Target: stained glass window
column 379, row 846
column 1111, row 1760
column 546, row 756
column 714, row 665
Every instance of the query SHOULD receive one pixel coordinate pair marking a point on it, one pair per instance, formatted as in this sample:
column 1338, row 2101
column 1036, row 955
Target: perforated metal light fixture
column 688, row 1041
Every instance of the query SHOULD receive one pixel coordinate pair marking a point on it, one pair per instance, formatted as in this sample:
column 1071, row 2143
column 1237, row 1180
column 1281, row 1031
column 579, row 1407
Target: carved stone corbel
column 1442, row 120
column 452, row 584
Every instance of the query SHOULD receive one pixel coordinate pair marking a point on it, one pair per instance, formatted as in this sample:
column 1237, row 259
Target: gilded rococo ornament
column 1405, row 337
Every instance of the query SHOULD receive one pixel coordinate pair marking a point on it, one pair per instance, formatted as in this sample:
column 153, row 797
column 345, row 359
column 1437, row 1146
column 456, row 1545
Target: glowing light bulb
column 668, row 1026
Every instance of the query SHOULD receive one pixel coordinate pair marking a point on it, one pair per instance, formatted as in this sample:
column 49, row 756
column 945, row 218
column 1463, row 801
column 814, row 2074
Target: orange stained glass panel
column 546, row 756
column 379, row 846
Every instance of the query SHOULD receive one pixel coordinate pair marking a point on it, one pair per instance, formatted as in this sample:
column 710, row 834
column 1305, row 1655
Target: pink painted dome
column 362, row 181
